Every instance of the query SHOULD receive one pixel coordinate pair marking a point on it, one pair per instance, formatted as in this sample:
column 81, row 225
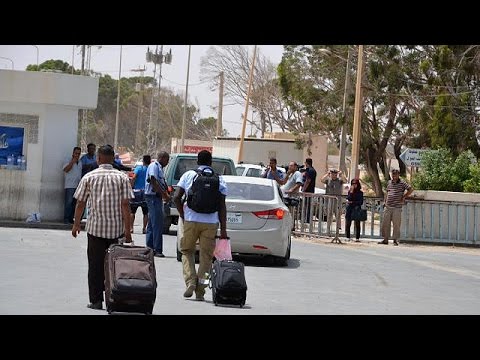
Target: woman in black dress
column 354, row 199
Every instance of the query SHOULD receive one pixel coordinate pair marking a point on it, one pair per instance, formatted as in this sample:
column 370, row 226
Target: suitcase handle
column 121, row 241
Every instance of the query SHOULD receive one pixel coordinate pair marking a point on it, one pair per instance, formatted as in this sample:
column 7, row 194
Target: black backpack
column 204, row 194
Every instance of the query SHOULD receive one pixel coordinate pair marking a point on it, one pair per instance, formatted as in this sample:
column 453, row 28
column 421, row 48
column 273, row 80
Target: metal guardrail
column 317, row 214
column 448, row 222
column 430, row 221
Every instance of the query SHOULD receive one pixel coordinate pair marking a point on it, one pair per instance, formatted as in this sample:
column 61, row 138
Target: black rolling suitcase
column 130, row 279
column 228, row 283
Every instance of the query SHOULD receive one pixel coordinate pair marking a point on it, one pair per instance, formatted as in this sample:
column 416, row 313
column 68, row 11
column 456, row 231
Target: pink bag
column 223, row 250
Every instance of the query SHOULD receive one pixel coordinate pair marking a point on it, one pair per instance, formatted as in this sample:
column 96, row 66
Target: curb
column 40, row 225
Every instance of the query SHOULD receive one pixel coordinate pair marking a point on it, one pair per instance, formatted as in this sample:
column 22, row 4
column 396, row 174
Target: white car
column 258, row 221
column 253, row 170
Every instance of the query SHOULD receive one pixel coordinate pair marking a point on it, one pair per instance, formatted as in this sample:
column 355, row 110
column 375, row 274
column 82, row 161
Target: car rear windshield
column 239, row 170
column 220, row 167
column 243, row 191
column 254, row 172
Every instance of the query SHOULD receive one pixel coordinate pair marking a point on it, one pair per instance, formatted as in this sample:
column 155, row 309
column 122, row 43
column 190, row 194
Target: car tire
column 179, row 256
column 283, row 261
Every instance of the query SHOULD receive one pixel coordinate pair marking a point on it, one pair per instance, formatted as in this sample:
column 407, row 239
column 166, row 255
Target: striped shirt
column 104, row 188
column 395, row 191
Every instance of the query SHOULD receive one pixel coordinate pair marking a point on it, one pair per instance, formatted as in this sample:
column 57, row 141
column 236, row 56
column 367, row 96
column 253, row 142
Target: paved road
column 45, row 272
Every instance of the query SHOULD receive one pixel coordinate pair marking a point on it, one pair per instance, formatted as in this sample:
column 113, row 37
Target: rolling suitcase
column 228, row 283
column 130, row 279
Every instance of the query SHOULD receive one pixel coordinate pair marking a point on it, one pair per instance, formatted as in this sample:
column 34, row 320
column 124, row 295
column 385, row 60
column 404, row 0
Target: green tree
column 55, row 65
column 443, row 172
column 205, row 129
column 416, row 96
column 450, row 107
column 313, row 83
column 473, row 184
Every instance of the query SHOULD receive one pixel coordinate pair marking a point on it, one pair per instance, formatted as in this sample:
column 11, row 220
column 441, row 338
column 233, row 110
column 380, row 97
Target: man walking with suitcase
column 200, row 214
column 108, row 192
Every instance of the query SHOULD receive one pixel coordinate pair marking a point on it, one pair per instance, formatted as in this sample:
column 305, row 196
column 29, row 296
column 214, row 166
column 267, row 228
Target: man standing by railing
column 394, row 198
column 309, row 178
column 334, row 181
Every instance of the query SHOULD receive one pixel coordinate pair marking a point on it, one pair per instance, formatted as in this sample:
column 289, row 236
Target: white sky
column 106, row 60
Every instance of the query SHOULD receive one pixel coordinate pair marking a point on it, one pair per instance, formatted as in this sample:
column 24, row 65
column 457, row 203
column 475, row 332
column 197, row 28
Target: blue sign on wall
column 11, row 142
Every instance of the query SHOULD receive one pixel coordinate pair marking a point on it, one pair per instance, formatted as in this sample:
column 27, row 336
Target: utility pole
column 250, row 80
column 342, row 166
column 149, row 133
column 357, row 116
column 117, row 116
column 220, row 106
column 140, row 104
column 83, row 59
column 83, row 131
column 73, row 56
column 186, row 97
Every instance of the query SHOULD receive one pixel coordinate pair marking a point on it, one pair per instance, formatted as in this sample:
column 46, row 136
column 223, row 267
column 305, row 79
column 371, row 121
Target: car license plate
column 234, row 218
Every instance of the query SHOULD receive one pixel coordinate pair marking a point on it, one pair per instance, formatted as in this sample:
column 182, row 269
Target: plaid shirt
column 105, row 188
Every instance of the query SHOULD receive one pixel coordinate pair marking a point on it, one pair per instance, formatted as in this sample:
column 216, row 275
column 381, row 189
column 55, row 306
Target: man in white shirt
column 292, row 182
column 72, row 169
column 200, row 225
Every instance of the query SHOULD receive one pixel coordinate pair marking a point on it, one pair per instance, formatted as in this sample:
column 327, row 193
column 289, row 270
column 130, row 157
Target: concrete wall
column 36, row 87
column 258, row 150
column 319, row 155
column 190, row 146
column 46, row 105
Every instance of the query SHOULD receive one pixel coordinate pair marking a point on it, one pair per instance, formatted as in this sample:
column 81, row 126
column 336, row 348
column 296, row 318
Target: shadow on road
column 267, row 261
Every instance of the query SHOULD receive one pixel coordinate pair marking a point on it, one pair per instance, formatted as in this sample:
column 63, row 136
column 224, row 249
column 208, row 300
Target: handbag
column 223, row 250
column 359, row 213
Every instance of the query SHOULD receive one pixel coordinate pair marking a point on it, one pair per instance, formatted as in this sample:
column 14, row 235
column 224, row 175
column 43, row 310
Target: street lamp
column 37, row 54
column 343, row 136
column 1, row 57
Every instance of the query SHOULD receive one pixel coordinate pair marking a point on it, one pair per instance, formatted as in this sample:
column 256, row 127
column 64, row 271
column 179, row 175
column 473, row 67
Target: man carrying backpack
column 201, row 213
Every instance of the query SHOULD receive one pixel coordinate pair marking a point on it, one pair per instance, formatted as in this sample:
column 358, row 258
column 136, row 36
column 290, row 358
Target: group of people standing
column 293, row 181
column 396, row 192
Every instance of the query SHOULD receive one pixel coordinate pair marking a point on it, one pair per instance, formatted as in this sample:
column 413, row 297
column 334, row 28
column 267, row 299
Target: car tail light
column 276, row 214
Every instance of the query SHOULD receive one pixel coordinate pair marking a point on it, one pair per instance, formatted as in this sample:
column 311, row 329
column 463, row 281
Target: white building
column 42, row 109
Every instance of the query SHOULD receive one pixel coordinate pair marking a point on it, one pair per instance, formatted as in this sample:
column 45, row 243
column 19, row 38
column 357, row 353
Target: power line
column 173, row 82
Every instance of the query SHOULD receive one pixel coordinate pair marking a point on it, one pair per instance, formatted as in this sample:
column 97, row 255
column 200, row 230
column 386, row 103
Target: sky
column 106, row 61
